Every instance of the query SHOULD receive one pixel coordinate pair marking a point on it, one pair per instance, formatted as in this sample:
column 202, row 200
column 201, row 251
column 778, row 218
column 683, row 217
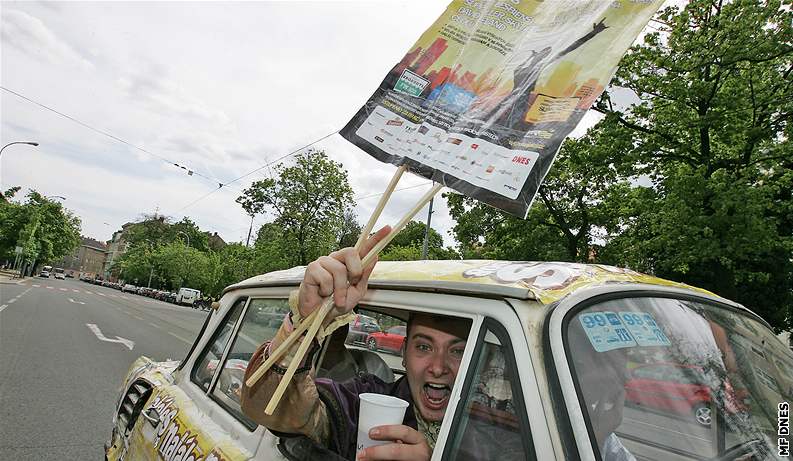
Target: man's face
column 432, row 359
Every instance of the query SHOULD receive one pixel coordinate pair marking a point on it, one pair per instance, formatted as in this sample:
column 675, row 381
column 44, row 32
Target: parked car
column 187, row 296
column 45, row 274
column 542, row 374
column 681, row 389
column 129, row 288
column 360, row 328
column 390, row 340
column 171, row 298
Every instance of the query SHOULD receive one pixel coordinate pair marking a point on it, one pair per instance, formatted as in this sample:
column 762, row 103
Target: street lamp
column 34, row 144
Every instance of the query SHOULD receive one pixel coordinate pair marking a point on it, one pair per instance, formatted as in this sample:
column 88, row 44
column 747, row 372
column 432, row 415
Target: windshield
column 664, row 378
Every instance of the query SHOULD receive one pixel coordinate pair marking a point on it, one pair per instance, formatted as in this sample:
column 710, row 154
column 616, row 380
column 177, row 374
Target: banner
column 483, row 100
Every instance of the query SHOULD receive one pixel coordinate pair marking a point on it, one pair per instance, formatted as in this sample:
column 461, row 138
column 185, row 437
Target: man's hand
column 408, row 444
column 341, row 274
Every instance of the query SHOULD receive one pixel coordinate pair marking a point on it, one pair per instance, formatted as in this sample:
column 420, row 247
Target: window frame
column 518, row 401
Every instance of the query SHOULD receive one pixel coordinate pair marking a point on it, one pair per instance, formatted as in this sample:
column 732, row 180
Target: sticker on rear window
column 644, row 329
column 606, row 331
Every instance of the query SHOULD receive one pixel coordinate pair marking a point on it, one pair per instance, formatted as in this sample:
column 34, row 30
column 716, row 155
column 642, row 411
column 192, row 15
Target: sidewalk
column 9, row 277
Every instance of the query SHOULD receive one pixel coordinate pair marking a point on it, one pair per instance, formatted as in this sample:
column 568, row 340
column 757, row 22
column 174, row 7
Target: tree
column 581, row 198
column 409, row 243
column 308, row 200
column 711, row 129
column 41, row 227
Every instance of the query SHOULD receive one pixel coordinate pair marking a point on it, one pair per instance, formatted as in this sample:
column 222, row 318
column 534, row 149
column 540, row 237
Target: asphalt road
column 58, row 380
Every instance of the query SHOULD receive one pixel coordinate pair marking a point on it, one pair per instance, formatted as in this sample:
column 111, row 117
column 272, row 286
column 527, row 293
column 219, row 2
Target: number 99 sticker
column 606, row 331
column 644, row 329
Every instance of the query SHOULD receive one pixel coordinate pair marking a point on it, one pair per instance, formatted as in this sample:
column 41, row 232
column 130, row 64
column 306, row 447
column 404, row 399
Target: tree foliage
column 308, row 201
column 43, row 228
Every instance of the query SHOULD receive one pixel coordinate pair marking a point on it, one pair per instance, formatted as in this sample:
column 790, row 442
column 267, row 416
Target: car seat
column 340, row 363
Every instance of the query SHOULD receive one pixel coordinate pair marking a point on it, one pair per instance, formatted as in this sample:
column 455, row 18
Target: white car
column 187, row 296
column 543, row 374
column 129, row 288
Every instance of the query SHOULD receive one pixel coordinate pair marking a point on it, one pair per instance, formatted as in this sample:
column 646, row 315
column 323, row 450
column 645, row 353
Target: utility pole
column 427, row 232
column 151, row 272
column 250, row 229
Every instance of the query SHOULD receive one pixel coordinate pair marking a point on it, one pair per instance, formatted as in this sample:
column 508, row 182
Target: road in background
column 64, row 350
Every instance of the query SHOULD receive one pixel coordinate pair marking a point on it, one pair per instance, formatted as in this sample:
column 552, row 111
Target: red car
column 678, row 389
column 389, row 340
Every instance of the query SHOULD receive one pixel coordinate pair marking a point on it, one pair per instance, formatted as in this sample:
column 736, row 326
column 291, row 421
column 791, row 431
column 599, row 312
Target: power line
column 190, row 171
column 253, row 171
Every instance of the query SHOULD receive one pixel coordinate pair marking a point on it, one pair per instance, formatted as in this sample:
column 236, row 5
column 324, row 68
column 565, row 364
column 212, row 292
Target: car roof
column 545, row 282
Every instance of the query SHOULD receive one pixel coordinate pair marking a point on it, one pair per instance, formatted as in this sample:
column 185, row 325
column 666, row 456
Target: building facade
column 87, row 260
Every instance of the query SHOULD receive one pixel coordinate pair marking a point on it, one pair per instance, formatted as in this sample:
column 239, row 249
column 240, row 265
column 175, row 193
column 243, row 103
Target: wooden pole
column 327, row 305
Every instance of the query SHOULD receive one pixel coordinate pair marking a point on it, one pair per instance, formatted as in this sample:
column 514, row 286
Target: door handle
column 152, row 416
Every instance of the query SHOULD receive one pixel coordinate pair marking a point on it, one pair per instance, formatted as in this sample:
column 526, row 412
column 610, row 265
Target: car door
column 174, row 424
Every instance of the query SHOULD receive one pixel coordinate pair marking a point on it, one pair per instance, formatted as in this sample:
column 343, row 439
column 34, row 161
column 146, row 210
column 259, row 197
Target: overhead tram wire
column 190, row 171
column 254, row 171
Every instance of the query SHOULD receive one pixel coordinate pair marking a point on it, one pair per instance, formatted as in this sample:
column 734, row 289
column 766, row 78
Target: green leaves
column 308, row 202
column 43, row 228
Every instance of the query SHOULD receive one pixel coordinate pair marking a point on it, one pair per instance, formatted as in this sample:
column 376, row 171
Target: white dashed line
column 90, row 292
column 75, row 290
column 155, row 325
column 12, row 301
column 63, row 289
column 3, row 307
column 50, row 288
column 100, row 294
column 179, row 338
column 36, row 285
column 139, row 318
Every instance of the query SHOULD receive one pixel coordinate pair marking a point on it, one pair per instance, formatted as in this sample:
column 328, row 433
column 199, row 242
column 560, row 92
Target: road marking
column 139, row 318
column 12, row 301
column 112, row 296
column 76, row 302
column 75, row 290
column 63, row 289
column 89, row 292
column 3, row 307
column 36, row 285
column 124, row 297
column 179, row 338
column 49, row 287
column 155, row 325
column 100, row 294
column 119, row 339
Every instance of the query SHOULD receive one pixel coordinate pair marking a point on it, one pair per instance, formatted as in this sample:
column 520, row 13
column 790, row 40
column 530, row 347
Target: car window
column 701, row 375
column 491, row 422
column 261, row 320
column 207, row 363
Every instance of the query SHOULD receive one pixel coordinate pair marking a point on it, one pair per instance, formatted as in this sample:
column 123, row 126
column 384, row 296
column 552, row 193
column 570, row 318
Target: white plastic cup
column 377, row 410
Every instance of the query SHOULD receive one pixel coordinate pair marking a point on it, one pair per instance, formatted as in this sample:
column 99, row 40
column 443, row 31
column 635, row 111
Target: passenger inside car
column 322, row 413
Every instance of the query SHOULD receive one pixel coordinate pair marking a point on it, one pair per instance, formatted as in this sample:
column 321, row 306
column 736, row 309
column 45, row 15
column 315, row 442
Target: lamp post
column 34, row 144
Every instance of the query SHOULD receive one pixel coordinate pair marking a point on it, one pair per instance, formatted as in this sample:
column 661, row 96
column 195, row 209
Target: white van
column 187, row 296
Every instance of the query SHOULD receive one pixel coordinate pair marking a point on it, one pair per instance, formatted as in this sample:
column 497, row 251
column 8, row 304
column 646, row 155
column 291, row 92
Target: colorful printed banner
column 484, row 99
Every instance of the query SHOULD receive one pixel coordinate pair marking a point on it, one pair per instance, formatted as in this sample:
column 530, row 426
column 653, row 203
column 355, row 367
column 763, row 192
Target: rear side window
column 233, row 345
column 492, row 421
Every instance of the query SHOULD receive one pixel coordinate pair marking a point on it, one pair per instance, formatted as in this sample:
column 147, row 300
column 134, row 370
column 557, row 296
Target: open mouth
column 436, row 395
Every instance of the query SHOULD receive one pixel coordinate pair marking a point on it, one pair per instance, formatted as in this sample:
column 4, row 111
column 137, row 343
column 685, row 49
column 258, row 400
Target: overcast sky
column 220, row 88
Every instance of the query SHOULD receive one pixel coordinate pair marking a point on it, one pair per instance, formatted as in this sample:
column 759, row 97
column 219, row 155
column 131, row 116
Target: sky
column 115, row 93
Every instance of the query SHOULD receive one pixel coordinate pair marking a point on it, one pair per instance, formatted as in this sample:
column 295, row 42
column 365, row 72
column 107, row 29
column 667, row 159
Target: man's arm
column 300, row 410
